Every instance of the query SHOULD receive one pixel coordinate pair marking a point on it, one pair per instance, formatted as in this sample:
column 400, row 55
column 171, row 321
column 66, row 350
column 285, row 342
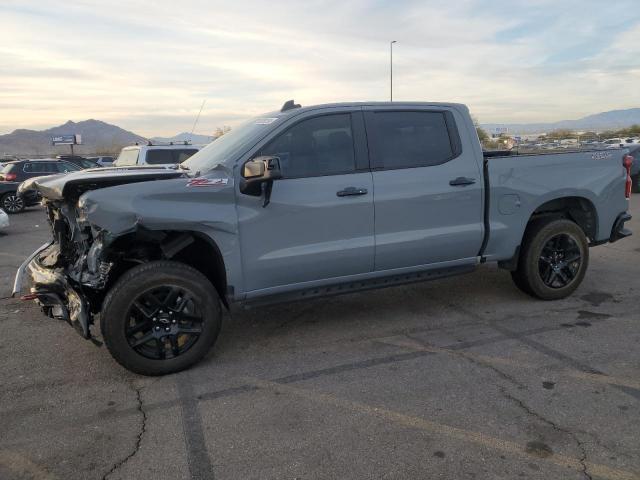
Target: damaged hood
column 72, row 185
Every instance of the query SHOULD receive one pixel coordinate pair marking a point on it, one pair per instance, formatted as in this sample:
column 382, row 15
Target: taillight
column 627, row 161
column 10, row 177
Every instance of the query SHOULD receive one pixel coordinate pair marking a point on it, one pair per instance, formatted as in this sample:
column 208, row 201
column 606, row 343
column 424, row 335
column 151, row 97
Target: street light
column 391, row 67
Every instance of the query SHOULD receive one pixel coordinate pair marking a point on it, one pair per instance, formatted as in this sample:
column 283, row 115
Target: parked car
column 4, row 219
column 156, row 154
column 282, row 209
column 16, row 172
column 614, row 143
column 634, row 151
column 79, row 161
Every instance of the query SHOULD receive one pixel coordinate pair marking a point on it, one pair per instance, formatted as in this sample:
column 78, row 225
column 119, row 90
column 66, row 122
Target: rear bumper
column 619, row 231
column 52, row 290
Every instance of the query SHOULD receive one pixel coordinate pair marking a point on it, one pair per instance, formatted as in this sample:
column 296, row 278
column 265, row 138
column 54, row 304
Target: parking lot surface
column 462, row 378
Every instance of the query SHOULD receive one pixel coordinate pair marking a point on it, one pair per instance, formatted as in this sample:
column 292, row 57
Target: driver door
column 316, row 226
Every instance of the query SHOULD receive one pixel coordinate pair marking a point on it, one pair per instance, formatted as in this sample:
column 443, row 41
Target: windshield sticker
column 207, row 182
column 265, row 121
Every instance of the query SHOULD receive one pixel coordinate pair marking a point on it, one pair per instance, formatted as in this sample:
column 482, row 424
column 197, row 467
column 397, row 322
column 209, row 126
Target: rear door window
column 159, row 157
column 406, row 139
column 50, row 167
column 40, row 167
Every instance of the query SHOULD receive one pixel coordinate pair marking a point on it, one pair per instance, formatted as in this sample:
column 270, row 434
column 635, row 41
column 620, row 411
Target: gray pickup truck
column 308, row 202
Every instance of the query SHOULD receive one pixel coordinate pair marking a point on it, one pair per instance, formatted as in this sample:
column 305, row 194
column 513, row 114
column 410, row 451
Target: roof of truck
column 372, row 104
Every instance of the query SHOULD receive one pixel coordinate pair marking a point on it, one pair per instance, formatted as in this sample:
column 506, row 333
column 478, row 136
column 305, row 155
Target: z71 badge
column 207, row 182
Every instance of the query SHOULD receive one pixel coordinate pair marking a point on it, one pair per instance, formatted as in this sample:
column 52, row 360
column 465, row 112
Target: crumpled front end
column 67, row 274
column 103, row 224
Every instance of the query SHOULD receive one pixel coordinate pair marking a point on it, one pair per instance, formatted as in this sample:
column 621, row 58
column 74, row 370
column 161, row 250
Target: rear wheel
column 160, row 318
column 12, row 203
column 553, row 260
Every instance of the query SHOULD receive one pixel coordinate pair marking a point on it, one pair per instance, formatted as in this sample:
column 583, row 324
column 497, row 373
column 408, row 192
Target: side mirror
column 258, row 175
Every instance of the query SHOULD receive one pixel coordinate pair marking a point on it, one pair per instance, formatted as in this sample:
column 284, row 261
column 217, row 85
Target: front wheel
column 12, row 203
column 160, row 317
column 553, row 260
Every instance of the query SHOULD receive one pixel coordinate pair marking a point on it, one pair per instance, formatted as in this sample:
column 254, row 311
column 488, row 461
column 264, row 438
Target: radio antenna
column 198, row 117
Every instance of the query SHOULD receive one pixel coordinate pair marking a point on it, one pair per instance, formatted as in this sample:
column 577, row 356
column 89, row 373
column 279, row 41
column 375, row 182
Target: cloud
column 148, row 65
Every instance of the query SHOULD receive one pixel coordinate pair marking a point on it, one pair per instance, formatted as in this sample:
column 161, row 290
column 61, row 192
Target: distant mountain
column 184, row 136
column 97, row 137
column 612, row 120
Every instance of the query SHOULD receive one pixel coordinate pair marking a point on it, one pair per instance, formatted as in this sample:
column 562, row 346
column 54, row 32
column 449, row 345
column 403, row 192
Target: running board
column 357, row 286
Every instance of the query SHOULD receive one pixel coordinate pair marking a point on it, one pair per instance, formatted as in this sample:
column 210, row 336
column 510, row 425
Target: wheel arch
column 578, row 209
column 189, row 247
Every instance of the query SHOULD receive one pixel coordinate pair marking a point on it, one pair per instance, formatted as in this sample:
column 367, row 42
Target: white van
column 155, row 154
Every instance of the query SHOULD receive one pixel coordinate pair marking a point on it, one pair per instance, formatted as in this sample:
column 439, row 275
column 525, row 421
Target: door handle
column 349, row 191
column 462, row 182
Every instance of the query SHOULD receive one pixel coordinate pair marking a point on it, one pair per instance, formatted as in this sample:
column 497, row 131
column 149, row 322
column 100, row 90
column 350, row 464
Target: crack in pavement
column 143, row 428
column 478, row 362
column 520, row 403
column 508, row 333
column 529, row 411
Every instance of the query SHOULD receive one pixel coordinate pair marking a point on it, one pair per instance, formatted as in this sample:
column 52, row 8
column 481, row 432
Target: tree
column 482, row 134
column 561, row 134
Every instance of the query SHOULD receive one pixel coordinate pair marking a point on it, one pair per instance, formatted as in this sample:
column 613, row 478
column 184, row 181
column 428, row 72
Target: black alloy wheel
column 560, row 261
column 163, row 322
column 160, row 317
column 553, row 260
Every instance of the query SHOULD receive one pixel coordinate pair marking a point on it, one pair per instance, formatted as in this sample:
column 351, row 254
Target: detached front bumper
column 53, row 292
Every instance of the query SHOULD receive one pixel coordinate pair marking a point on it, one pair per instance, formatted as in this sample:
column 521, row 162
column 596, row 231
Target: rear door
column 428, row 188
column 319, row 224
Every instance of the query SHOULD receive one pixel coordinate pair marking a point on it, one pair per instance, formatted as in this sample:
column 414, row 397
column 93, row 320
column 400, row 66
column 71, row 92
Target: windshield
column 230, row 146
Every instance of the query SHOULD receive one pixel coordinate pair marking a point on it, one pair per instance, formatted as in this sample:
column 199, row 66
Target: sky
column 147, row 66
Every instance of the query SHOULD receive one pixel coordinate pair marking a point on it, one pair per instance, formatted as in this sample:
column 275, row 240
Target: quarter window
column 408, row 139
column 180, row 156
column 315, row 147
column 127, row 157
column 40, row 167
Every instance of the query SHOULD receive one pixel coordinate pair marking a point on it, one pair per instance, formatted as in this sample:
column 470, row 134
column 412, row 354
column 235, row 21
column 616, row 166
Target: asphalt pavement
column 461, row 378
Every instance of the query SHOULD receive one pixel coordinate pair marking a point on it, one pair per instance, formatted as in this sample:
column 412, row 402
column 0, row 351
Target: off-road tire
column 528, row 276
column 117, row 303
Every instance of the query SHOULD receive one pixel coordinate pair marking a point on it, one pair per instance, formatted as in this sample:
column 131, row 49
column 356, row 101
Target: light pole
column 391, row 68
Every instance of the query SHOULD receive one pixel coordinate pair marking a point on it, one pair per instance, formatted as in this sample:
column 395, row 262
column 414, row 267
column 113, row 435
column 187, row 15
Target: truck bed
column 520, row 185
